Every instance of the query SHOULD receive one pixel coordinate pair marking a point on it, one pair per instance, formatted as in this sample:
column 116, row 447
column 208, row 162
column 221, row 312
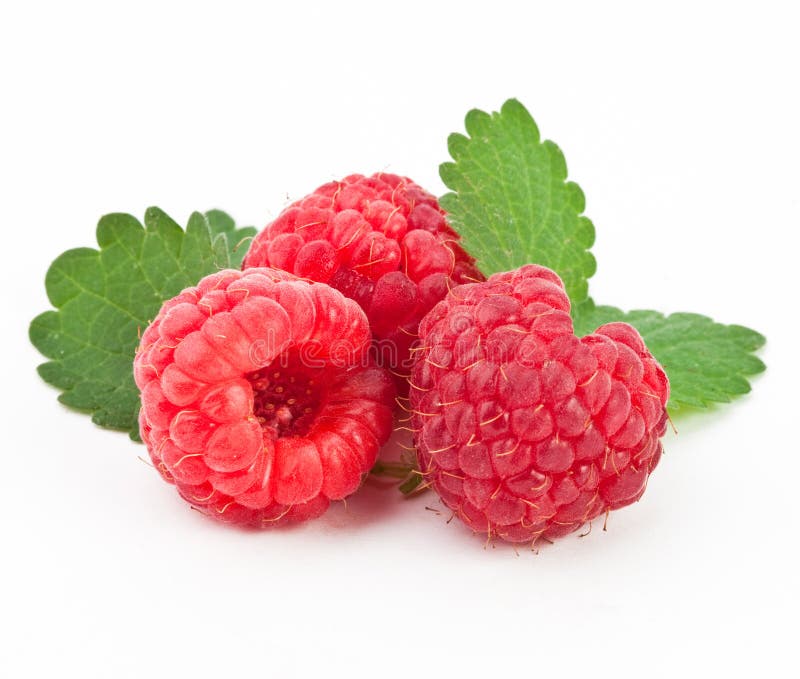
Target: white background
column 681, row 125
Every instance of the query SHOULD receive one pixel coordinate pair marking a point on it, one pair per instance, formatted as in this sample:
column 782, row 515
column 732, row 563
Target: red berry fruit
column 382, row 241
column 258, row 400
column 524, row 429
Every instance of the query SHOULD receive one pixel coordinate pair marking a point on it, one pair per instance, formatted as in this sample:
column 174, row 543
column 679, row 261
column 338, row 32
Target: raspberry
column 257, row 400
column 523, row 429
column 382, row 241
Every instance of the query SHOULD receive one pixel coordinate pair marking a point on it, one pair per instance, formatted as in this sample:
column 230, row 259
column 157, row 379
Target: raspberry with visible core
column 382, row 241
column 258, row 399
column 524, row 429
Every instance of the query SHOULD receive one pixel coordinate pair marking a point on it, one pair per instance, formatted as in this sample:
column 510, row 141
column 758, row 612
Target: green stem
column 407, row 473
column 395, row 470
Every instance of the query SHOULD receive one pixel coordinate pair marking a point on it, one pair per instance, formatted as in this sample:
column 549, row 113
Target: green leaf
column 706, row 362
column 105, row 298
column 227, row 238
column 511, row 202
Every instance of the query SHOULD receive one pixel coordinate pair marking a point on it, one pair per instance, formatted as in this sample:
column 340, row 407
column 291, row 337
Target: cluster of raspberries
column 268, row 392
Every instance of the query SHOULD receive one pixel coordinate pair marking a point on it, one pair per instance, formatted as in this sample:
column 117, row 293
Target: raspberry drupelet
column 382, row 241
column 259, row 401
column 524, row 429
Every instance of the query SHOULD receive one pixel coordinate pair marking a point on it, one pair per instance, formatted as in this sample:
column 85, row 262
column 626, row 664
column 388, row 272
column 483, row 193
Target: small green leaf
column 235, row 241
column 104, row 298
column 705, row 361
column 511, row 202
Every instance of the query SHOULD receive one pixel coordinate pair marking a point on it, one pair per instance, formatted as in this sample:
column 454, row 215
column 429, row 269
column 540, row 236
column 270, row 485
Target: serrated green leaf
column 511, row 201
column 230, row 239
column 104, row 298
column 706, row 362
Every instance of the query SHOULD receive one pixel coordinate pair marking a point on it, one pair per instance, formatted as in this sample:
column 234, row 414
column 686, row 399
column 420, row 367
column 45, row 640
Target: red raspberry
column 257, row 400
column 382, row 241
column 522, row 428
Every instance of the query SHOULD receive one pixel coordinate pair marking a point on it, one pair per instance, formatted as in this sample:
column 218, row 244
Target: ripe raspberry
column 382, row 241
column 257, row 401
column 522, row 428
